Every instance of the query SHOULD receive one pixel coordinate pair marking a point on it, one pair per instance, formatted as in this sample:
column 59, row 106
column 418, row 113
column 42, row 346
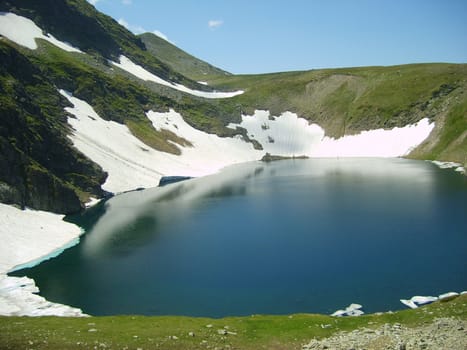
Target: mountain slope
column 349, row 100
column 80, row 24
column 179, row 60
column 119, row 76
column 39, row 167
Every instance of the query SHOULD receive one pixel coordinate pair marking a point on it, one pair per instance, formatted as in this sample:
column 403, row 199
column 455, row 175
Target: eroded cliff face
column 39, row 167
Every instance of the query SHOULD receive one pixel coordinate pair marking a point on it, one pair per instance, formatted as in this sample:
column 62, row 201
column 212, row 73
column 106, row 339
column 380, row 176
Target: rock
column 191, row 334
column 222, row 331
column 166, row 180
column 396, row 336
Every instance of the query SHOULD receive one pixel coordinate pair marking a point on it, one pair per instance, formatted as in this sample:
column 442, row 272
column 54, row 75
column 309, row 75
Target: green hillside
column 180, row 60
column 250, row 332
column 349, row 100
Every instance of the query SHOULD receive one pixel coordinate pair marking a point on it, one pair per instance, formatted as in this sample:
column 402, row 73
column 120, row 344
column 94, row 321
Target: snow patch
column 127, row 65
column 396, row 142
column 351, row 310
column 447, row 165
column 285, row 135
column 23, row 31
column 209, row 153
column 92, row 202
column 29, row 237
column 132, row 164
column 289, row 135
column 448, row 295
column 417, row 300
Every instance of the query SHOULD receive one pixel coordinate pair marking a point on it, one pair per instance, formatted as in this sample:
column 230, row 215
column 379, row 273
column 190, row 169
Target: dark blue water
column 279, row 238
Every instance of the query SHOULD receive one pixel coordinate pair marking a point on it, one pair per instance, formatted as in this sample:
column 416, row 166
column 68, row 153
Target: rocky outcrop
column 39, row 167
column 442, row 333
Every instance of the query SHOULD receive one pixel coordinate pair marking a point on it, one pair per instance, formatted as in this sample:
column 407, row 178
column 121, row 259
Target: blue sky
column 259, row 36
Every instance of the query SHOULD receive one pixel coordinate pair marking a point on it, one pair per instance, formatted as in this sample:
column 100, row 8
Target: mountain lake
column 292, row 236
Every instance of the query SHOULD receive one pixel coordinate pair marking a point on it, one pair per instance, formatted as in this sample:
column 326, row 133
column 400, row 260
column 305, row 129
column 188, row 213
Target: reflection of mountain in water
column 130, row 220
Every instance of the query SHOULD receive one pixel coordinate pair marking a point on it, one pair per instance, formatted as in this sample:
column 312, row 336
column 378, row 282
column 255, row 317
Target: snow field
column 23, row 31
column 289, row 135
column 127, row 65
column 132, row 164
column 28, row 237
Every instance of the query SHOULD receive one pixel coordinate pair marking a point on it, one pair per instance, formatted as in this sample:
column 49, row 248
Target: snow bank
column 23, row 31
column 448, row 165
column 127, row 65
column 396, row 142
column 351, row 310
column 132, row 164
column 28, row 237
column 417, row 301
column 286, row 135
column 289, row 135
column 209, row 153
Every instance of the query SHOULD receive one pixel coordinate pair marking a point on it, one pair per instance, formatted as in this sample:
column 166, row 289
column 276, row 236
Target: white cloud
column 215, row 23
column 93, row 2
column 127, row 2
column 124, row 23
column 134, row 29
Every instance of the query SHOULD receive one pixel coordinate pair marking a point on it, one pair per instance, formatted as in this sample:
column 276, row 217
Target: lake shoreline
column 21, row 247
column 24, row 288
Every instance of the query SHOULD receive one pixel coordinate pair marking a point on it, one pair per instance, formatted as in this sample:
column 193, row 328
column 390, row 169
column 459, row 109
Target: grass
column 368, row 97
column 179, row 60
column 170, row 332
column 455, row 131
column 158, row 140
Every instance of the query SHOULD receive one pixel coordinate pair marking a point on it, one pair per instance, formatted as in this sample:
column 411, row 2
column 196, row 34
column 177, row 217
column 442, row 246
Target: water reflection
column 136, row 217
column 154, row 209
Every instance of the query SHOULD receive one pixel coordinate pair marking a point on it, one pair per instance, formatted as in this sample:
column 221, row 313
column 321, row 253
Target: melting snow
column 139, row 72
column 28, row 237
column 23, row 31
column 132, row 164
column 289, row 135
column 396, row 142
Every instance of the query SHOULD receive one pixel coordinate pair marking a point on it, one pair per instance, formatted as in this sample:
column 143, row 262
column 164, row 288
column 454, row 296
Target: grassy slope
column 179, row 60
column 349, row 100
column 253, row 332
column 98, row 35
